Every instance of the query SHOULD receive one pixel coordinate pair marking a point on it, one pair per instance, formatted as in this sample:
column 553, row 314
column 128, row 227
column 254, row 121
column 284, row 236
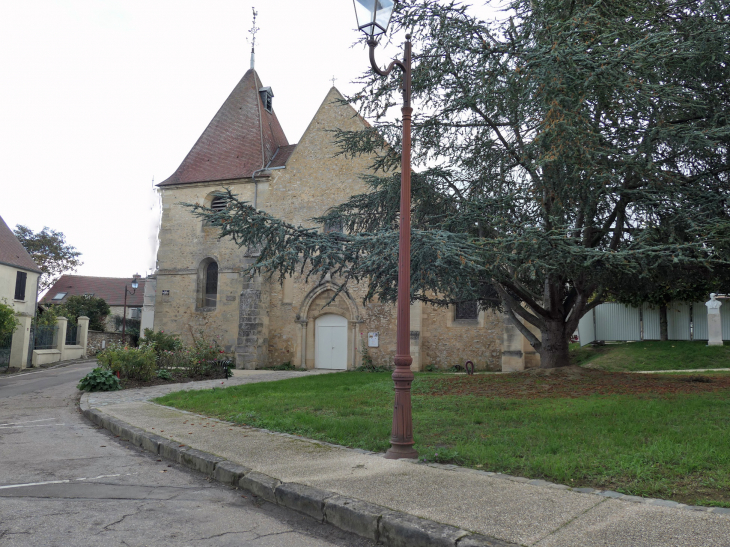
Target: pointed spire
column 253, row 30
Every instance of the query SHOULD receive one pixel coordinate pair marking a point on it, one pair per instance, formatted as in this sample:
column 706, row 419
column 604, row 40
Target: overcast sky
column 97, row 97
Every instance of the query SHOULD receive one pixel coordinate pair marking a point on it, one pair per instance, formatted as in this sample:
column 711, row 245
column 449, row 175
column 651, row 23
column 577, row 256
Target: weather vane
column 252, row 31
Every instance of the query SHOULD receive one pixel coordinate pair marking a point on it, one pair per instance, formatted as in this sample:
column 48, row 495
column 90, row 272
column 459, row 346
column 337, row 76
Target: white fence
column 617, row 322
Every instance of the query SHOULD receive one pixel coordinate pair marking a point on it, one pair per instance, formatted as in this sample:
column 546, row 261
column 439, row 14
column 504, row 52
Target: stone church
column 201, row 286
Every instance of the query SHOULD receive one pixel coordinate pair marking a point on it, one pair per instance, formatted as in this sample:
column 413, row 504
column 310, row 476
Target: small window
column 266, row 97
column 136, row 313
column 89, row 296
column 467, row 310
column 20, row 280
column 59, row 296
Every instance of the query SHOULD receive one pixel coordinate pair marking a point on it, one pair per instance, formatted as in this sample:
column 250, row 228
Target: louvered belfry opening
column 218, row 204
column 211, row 285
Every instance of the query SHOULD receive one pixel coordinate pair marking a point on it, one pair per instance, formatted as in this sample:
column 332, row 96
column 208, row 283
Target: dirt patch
column 571, row 382
column 176, row 378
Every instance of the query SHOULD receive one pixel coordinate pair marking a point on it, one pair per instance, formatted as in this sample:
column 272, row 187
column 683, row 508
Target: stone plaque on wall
column 373, row 339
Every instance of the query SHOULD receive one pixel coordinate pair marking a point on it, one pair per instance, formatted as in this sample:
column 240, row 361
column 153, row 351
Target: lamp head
column 135, row 284
column 373, row 16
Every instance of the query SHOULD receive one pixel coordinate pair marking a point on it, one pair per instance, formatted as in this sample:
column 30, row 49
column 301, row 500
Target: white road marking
column 19, row 426
column 29, row 421
column 66, row 481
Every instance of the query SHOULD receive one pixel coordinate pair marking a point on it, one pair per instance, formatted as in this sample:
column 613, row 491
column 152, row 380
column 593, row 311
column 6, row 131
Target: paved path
column 508, row 508
column 65, row 482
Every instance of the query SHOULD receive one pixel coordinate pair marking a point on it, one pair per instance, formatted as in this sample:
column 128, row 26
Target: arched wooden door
column 330, row 342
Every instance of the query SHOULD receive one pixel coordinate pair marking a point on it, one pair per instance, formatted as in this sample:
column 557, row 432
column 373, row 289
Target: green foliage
column 133, row 363
column 566, row 152
column 200, row 359
column 99, row 379
column 50, row 252
column 73, row 307
column 8, row 321
column 164, row 374
column 431, row 368
column 162, row 341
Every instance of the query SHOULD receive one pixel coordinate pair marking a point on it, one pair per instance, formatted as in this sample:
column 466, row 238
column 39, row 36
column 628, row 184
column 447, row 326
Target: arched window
column 207, row 284
column 211, row 285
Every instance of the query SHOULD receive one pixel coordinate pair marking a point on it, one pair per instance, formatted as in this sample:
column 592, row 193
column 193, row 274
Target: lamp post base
column 399, row 452
column 401, row 439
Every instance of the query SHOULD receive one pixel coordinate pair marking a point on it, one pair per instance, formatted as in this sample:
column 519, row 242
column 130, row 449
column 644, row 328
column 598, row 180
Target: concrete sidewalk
column 510, row 509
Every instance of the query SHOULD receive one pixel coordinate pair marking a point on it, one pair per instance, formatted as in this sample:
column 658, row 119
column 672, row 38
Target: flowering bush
column 134, row 363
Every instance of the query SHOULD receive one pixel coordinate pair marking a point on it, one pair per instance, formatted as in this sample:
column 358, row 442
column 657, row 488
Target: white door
column 330, row 342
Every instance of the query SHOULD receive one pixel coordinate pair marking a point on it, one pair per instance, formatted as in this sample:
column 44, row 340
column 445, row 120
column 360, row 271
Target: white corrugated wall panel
column 617, row 322
column 678, row 320
column 699, row 320
column 586, row 329
column 650, row 320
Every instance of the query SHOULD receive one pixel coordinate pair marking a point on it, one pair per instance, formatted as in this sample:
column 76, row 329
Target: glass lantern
column 373, row 16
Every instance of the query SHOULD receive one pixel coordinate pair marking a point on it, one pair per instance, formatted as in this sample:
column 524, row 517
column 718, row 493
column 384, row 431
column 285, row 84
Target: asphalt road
column 65, row 482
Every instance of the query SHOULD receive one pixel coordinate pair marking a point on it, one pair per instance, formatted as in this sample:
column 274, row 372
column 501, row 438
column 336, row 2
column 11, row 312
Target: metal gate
column 6, row 343
column 31, row 347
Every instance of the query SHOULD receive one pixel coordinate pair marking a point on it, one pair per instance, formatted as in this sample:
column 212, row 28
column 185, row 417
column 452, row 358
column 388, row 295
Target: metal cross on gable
column 333, row 81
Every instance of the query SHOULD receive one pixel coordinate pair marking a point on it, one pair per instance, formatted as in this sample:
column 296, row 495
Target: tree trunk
column 663, row 328
column 554, row 345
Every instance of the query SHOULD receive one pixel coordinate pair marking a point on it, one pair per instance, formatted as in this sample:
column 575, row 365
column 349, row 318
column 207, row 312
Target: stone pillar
column 83, row 332
column 714, row 321
column 60, row 338
column 253, row 341
column 303, row 346
column 415, row 329
column 21, row 340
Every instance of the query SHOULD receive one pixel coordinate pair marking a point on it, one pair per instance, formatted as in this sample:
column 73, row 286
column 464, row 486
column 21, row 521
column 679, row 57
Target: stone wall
column 98, row 339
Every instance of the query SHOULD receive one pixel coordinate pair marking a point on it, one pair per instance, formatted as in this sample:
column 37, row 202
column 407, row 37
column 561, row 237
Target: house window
column 467, row 310
column 20, row 280
column 59, row 296
column 136, row 313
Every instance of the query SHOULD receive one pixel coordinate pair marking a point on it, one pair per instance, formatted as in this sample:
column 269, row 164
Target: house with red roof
column 19, row 276
column 201, row 283
column 110, row 289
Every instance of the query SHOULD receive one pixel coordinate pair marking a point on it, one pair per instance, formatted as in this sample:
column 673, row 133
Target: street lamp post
column 135, row 284
column 373, row 17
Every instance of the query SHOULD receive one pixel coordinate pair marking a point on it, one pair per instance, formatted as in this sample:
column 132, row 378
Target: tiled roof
column 282, row 155
column 12, row 252
column 111, row 289
column 235, row 144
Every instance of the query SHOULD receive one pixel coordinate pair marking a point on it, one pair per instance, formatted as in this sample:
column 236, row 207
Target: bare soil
column 573, row 382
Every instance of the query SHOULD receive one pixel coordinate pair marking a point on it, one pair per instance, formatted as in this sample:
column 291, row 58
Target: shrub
column 164, row 374
column 8, row 321
column 162, row 341
column 99, row 379
column 133, row 363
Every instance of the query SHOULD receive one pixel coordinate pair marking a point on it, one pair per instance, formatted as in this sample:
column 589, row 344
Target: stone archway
column 315, row 305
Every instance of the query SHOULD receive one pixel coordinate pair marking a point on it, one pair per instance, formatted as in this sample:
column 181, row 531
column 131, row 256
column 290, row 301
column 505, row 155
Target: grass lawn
column 648, row 435
column 631, row 356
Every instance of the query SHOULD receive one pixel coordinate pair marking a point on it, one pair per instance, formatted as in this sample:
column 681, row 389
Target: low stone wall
column 100, row 340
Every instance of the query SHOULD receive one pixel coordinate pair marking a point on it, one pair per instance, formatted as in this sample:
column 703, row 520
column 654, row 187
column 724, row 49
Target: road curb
column 380, row 524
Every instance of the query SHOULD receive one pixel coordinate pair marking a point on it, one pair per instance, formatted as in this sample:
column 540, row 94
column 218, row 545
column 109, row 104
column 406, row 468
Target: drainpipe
column 256, row 184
